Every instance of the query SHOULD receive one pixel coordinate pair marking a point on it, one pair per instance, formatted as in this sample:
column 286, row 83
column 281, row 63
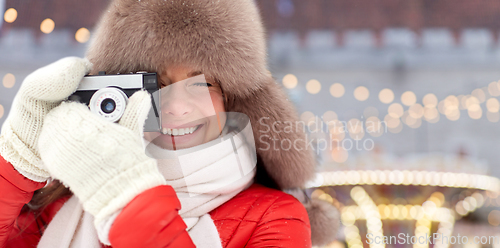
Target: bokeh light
column 289, row 81
column 475, row 112
column 386, row 96
column 451, row 102
column 329, row 116
column 408, row 98
column 313, row 86
column 395, row 110
column 335, row 244
column 306, row 116
column 441, row 107
column 416, row 111
column 460, row 101
column 430, row 100
column 494, row 218
column 47, row 26
column 391, row 121
column 449, row 110
column 9, row 80
column 10, row 15
column 430, row 113
column 82, row 35
column 339, row 155
column 493, row 116
column 472, row 102
column 408, row 120
column 479, row 94
column 493, row 89
column 2, row 111
column 416, row 122
column 493, row 105
column 361, row 93
column 337, row 90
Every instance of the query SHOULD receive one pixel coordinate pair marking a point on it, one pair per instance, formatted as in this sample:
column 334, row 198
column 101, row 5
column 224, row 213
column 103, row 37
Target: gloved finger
column 136, row 112
column 56, row 81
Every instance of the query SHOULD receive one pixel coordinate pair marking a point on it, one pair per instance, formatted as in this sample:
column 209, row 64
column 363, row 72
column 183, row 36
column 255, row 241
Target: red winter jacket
column 256, row 217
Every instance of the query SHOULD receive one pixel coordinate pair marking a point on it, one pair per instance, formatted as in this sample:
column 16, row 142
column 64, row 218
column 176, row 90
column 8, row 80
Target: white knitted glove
column 103, row 163
column 40, row 92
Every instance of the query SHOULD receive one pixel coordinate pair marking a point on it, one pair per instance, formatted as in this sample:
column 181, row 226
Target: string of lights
column 429, row 109
column 398, row 177
column 409, row 111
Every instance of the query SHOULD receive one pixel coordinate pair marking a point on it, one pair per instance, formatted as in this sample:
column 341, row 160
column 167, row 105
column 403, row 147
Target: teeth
column 180, row 131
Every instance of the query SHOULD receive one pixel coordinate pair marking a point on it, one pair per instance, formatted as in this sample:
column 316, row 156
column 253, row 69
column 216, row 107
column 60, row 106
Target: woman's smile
column 178, row 138
column 180, row 131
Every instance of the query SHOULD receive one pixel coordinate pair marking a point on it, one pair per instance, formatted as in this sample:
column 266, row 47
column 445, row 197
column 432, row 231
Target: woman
column 125, row 196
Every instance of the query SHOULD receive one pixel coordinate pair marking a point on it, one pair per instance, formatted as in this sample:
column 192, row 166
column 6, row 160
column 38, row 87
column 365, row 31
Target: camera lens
column 109, row 103
column 108, row 106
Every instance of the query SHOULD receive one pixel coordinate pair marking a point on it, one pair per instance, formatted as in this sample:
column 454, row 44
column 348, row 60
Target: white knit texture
column 103, row 163
column 209, row 163
column 40, row 92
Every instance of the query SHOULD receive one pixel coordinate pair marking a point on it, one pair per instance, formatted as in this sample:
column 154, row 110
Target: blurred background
column 399, row 99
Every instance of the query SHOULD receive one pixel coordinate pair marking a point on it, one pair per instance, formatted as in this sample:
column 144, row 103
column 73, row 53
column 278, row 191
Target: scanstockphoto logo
column 320, row 135
column 426, row 239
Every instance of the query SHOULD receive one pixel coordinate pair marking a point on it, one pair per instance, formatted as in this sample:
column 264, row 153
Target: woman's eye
column 203, row 84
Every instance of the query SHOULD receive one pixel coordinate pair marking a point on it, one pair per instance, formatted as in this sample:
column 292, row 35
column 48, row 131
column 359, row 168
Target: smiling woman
column 206, row 180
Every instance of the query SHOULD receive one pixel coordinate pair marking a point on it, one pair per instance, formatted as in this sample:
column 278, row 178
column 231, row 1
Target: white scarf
column 204, row 177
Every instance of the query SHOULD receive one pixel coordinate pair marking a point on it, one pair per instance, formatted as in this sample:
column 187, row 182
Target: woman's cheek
column 220, row 111
column 218, row 102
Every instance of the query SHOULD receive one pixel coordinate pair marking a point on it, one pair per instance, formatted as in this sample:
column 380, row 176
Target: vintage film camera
column 107, row 95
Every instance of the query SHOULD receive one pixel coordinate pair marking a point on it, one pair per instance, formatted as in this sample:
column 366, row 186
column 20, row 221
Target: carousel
column 413, row 201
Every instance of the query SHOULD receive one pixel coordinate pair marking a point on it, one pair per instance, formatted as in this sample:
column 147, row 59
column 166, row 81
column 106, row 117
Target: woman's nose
column 175, row 101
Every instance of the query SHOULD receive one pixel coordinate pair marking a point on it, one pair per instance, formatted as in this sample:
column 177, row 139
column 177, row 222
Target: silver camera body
column 107, row 95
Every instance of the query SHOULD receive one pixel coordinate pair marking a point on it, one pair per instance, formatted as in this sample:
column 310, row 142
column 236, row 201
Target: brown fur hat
column 225, row 40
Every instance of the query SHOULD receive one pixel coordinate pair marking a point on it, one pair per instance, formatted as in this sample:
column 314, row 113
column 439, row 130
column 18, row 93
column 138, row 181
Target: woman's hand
column 40, row 92
column 103, row 163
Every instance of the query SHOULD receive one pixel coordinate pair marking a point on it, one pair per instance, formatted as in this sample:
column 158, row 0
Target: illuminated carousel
column 402, row 201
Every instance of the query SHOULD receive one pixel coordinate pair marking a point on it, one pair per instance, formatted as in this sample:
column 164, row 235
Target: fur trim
column 325, row 221
column 225, row 40
column 288, row 162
